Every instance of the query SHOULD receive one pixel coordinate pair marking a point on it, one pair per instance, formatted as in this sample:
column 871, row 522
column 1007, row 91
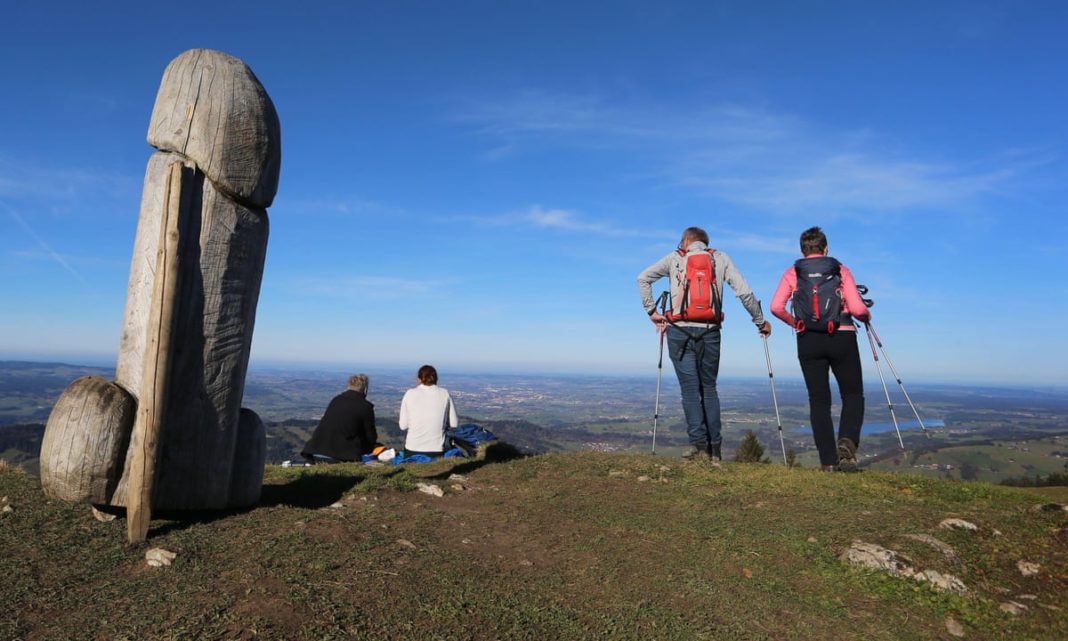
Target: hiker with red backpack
column 696, row 273
column 825, row 304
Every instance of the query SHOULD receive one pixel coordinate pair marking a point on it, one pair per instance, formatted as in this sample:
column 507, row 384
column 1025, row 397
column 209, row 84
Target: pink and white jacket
column 851, row 301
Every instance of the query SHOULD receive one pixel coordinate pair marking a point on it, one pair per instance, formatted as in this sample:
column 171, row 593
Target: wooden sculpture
column 170, row 433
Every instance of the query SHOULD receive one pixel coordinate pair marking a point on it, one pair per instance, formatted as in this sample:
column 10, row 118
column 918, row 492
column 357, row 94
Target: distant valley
column 978, row 433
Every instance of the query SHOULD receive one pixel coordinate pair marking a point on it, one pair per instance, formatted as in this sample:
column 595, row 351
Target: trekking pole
column 886, row 391
column 659, row 372
column 662, row 302
column 898, row 377
column 775, row 399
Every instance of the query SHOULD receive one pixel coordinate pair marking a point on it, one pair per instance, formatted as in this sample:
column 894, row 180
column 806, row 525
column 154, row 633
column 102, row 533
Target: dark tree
column 750, row 450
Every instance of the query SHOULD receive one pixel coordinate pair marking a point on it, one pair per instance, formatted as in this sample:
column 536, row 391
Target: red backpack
column 699, row 301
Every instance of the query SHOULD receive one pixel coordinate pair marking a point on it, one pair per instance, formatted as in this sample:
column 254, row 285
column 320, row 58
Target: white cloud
column 773, row 162
column 371, row 287
column 538, row 217
column 333, row 205
column 26, row 181
column 48, row 251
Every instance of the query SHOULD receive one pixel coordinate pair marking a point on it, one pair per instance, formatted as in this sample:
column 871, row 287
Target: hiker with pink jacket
column 825, row 303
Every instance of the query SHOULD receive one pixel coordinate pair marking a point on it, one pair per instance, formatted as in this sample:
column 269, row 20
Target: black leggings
column 838, row 351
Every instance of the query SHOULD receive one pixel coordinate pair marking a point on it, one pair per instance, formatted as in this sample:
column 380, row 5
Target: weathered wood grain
column 212, row 108
column 85, row 441
column 155, row 385
column 246, row 483
column 213, row 117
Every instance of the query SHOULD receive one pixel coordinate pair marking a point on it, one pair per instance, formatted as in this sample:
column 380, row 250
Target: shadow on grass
column 326, row 486
column 309, row 491
column 495, row 452
column 314, row 491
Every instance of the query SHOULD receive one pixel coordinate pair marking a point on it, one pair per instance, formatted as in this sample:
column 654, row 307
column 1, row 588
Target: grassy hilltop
column 559, row 546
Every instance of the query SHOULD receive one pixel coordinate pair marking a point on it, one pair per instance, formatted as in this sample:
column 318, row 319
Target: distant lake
column 875, row 428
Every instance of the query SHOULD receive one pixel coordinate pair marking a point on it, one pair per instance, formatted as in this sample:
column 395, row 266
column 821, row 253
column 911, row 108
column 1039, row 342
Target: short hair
column 813, row 241
column 427, row 375
column 695, row 233
column 358, row 383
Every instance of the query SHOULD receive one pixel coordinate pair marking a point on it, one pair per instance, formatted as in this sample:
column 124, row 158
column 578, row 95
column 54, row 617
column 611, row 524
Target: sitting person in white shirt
column 425, row 413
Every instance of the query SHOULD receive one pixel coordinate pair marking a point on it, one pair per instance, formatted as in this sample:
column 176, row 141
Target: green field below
column 559, row 546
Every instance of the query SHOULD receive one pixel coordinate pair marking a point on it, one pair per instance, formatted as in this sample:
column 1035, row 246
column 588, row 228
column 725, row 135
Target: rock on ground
column 958, row 524
column 870, row 555
column 1027, row 568
column 942, row 582
column 431, row 489
column 954, row 628
column 158, row 557
column 1050, row 507
column 937, row 544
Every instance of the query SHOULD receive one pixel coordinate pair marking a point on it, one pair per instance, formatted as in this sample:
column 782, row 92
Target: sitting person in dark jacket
column 347, row 430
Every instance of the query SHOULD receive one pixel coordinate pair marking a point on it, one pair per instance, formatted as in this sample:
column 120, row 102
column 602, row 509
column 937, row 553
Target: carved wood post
column 154, row 386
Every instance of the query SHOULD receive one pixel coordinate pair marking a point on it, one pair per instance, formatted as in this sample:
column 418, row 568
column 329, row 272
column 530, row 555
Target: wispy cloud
column 770, row 161
column 71, row 259
column 48, row 251
column 365, row 287
column 25, row 181
column 333, row 205
column 538, row 217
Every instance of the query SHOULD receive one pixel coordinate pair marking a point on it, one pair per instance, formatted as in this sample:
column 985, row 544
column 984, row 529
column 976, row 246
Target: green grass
column 564, row 546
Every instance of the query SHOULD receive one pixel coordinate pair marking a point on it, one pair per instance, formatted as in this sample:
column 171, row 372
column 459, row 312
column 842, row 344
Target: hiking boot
column 847, row 455
column 696, row 453
column 715, row 452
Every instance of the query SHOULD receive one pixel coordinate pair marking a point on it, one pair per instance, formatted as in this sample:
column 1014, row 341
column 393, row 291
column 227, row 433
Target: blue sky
column 477, row 184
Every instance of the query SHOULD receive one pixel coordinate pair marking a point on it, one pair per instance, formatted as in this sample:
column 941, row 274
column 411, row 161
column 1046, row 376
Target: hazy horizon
column 393, row 369
column 478, row 185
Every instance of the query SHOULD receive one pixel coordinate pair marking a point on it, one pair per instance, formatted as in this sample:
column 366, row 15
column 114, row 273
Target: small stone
column 1050, row 507
column 526, row 563
column 1028, row 597
column 158, row 557
column 958, row 524
column 942, row 582
column 615, row 473
column 465, row 541
column 1012, row 607
column 103, row 517
column 457, row 478
column 456, row 487
column 643, row 478
column 941, row 546
column 337, row 505
column 813, row 539
column 1027, row 568
column 665, row 468
column 405, row 543
column 429, row 488
column 954, row 628
column 7, row 509
column 759, row 504
column 996, row 532
column 870, row 555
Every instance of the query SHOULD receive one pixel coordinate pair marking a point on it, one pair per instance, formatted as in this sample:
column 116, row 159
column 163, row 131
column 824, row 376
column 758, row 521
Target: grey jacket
column 674, row 266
